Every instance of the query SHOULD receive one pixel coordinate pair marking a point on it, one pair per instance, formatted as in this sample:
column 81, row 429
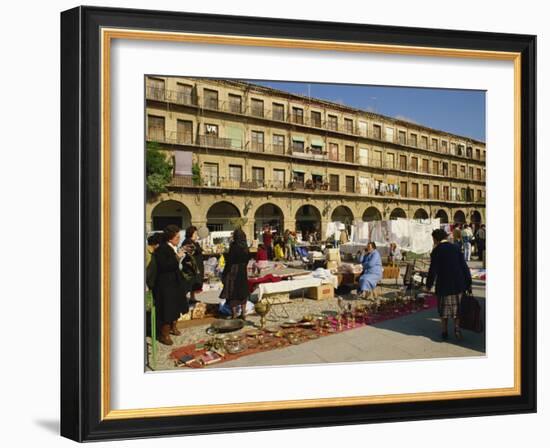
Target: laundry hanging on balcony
column 184, row 163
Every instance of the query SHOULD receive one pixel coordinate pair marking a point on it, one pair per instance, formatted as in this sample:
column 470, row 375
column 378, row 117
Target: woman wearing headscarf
column 170, row 289
column 372, row 269
column 235, row 277
column 193, row 269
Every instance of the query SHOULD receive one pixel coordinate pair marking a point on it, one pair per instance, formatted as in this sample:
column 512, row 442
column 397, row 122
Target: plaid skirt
column 448, row 306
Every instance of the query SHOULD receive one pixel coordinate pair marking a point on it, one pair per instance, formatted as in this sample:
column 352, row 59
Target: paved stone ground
column 416, row 336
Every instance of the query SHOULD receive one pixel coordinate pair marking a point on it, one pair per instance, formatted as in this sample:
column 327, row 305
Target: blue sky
column 460, row 112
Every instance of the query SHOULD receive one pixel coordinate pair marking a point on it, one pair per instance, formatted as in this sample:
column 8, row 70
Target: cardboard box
column 321, row 292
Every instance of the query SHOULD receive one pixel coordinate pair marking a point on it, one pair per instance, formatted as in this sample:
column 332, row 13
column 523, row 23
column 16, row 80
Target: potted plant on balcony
column 196, row 174
column 158, row 169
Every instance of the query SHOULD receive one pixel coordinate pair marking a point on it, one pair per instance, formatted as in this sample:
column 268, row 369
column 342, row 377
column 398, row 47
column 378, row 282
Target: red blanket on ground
column 272, row 343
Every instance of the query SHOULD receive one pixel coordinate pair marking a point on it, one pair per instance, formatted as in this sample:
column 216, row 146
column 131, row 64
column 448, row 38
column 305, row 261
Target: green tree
column 158, row 169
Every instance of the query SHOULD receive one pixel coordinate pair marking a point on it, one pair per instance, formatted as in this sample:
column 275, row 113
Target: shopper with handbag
column 451, row 275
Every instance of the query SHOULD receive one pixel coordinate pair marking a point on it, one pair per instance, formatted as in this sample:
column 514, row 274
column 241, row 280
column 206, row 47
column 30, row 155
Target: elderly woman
column 372, row 269
column 235, row 277
column 170, row 289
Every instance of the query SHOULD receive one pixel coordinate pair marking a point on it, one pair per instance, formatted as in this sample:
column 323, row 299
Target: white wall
column 30, row 188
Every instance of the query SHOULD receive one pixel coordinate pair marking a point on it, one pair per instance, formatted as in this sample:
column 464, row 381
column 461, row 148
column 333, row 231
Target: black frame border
column 81, row 223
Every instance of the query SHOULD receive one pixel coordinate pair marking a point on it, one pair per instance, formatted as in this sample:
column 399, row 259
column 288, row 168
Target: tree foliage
column 158, row 169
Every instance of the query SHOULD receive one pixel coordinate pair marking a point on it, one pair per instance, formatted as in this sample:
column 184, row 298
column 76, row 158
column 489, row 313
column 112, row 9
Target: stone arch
column 308, row 218
column 459, row 217
column 421, row 214
column 268, row 214
column 443, row 216
column 398, row 213
column 372, row 214
column 343, row 214
column 170, row 212
column 475, row 219
column 220, row 214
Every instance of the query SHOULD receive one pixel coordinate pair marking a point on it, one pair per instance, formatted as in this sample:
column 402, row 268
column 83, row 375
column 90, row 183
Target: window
column 436, row 191
column 389, row 134
column 403, row 162
column 469, row 152
column 333, row 122
column 257, row 141
column 348, row 125
column 297, row 115
column 478, row 153
column 453, row 194
column 470, row 172
column 210, row 173
column 446, row 193
column 333, row 151
column 377, row 159
column 403, row 189
column 478, row 173
column 258, row 175
column 316, row 149
column 402, row 138
column 298, row 177
column 435, row 167
column 278, row 112
column 362, row 128
column 297, row 146
column 316, row 119
column 257, row 107
column 444, row 147
column 350, row 154
column 211, row 129
column 390, row 161
column 425, row 165
column 435, row 144
column 463, row 196
column 460, row 150
column 424, row 142
column 278, row 178
column 155, row 89
column 445, row 168
column 454, row 169
column 364, row 156
column 235, row 103
column 479, row 195
column 278, row 144
column 414, row 140
column 377, row 131
column 426, row 191
column 334, row 182
column 453, row 149
column 462, row 171
column 184, row 133
column 155, row 128
column 414, row 190
column 236, row 173
column 317, row 179
column 350, row 184
column 210, row 99
column 184, row 94
column 414, row 163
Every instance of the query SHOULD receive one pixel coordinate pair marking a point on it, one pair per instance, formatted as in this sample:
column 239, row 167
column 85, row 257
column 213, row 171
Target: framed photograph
column 274, row 223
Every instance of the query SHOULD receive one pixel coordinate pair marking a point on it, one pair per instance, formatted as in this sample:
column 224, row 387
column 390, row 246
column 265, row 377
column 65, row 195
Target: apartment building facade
column 244, row 150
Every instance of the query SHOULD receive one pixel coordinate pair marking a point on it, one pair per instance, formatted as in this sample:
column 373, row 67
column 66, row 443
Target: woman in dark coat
column 170, row 289
column 235, row 277
column 194, row 268
column 452, row 278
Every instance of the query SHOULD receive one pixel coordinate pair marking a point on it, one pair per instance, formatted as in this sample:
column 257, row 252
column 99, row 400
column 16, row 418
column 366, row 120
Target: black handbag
column 470, row 313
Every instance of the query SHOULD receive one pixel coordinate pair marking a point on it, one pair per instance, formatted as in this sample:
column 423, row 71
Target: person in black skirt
column 235, row 277
column 170, row 289
column 452, row 278
column 193, row 268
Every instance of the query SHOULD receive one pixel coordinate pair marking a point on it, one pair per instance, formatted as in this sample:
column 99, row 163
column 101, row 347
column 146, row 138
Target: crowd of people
column 281, row 247
column 175, row 272
column 465, row 239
